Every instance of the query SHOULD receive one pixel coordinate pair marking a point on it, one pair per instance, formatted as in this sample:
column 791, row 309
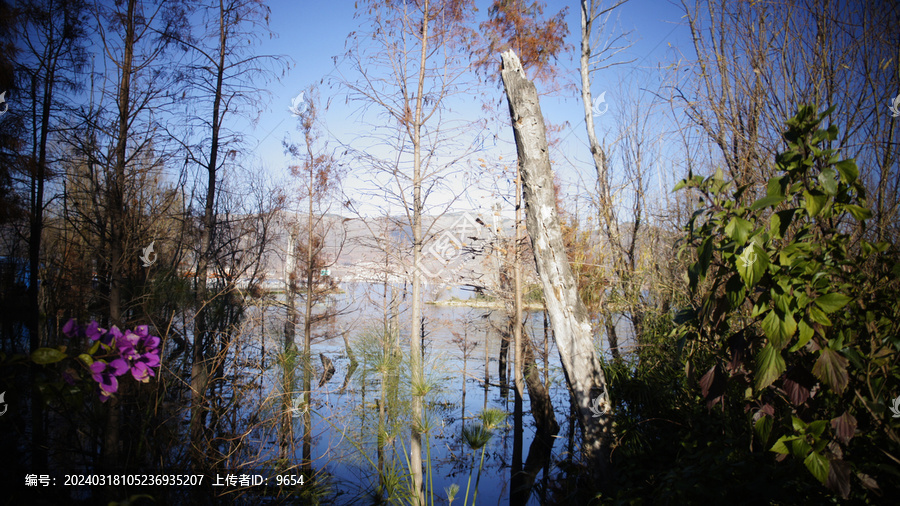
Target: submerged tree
column 319, row 175
column 218, row 78
column 52, row 37
column 420, row 45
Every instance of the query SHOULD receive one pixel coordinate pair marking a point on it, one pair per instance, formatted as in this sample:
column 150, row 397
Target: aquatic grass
column 477, row 437
column 492, row 417
column 391, row 367
column 451, row 492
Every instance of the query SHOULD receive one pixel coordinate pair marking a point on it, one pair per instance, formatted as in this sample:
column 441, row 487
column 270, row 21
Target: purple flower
column 112, row 336
column 106, row 378
column 142, row 372
column 119, row 366
column 132, row 351
column 71, row 328
column 140, row 351
column 94, row 331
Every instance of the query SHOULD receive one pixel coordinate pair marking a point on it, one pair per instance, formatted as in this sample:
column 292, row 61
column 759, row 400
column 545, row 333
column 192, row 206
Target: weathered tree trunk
column 568, row 316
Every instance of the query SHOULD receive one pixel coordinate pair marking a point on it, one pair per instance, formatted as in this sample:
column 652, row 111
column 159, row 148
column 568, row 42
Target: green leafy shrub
column 801, row 309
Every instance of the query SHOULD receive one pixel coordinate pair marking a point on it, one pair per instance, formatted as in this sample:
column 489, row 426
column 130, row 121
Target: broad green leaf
column 704, row 255
column 828, row 180
column 776, row 187
column 735, row 291
column 769, row 366
column 848, row 170
column 763, row 428
column 859, row 213
column 816, row 428
column 752, row 264
column 814, row 203
column 780, row 446
column 768, row 201
column 779, row 330
column 831, row 369
column 818, row 316
column 817, row 465
column 780, row 221
column 47, row 356
column 831, row 302
column 87, row 359
column 800, row 448
column 738, row 229
column 806, row 332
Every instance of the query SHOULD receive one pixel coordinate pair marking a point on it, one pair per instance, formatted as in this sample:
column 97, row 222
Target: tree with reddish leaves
column 519, row 25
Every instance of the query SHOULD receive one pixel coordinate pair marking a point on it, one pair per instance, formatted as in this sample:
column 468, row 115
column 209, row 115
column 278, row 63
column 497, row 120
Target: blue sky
column 312, row 33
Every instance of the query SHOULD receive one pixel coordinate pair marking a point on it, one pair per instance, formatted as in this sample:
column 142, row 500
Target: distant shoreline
column 483, row 304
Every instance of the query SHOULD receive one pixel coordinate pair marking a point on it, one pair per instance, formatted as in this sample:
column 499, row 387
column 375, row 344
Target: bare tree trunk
column 117, row 221
column 571, row 324
column 35, row 327
column 517, row 332
column 200, row 367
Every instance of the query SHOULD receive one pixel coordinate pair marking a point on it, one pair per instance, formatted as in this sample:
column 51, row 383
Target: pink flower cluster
column 135, row 351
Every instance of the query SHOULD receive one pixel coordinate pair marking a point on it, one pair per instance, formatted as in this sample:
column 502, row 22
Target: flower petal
column 104, row 396
column 131, row 338
column 140, row 372
column 152, row 342
column 70, row 329
column 151, row 359
column 119, row 366
column 109, row 383
column 94, row 331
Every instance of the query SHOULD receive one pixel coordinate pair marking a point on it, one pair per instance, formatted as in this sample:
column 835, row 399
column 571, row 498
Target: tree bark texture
column 568, row 316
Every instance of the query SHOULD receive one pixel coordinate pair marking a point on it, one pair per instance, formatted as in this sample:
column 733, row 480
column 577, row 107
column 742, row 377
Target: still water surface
column 345, row 410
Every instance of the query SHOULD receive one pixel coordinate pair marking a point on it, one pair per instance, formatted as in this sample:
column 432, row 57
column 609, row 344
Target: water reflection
column 355, row 430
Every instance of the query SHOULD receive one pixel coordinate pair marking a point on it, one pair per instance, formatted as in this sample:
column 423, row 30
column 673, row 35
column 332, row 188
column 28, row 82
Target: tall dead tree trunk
column 568, row 316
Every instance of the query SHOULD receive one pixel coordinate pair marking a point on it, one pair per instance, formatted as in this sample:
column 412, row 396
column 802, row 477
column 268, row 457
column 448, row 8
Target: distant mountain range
column 460, row 248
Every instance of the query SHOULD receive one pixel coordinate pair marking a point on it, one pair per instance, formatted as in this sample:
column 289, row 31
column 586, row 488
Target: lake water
column 345, row 411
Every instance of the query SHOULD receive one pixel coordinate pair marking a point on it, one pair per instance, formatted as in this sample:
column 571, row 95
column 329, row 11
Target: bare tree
column 220, row 77
column 51, row 37
column 420, row 45
column 757, row 62
column 319, row 175
column 134, row 35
